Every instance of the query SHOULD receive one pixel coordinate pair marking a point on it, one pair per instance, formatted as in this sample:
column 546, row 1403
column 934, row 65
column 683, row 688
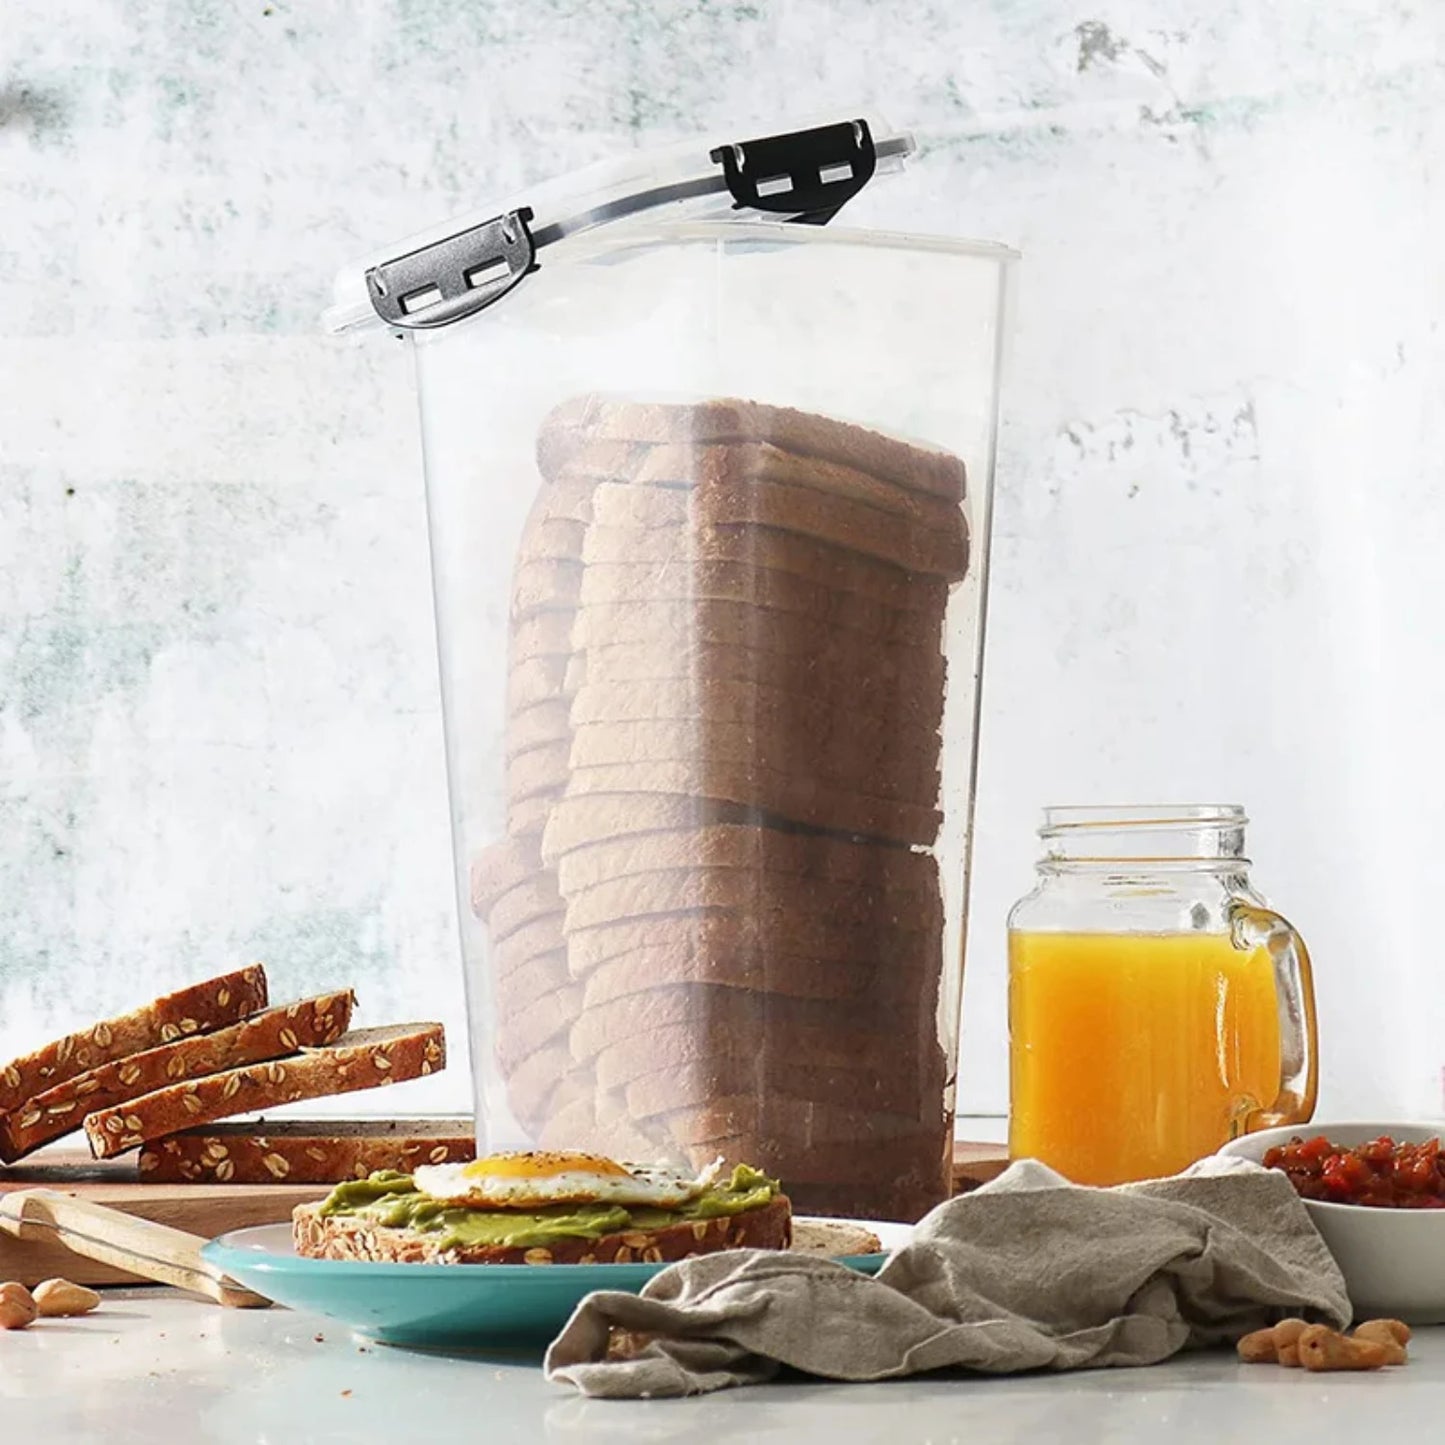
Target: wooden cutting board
column 203, row 1209
column 212, row 1209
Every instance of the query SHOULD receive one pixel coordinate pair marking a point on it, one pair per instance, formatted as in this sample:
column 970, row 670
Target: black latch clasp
column 807, row 174
column 447, row 280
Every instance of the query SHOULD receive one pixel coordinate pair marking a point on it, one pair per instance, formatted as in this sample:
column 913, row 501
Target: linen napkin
column 1029, row 1272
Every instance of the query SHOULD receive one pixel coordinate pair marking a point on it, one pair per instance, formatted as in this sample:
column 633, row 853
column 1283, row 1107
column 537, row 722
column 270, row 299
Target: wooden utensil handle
column 139, row 1246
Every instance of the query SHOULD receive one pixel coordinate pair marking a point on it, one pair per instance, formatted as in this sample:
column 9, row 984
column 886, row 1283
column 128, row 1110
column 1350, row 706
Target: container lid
column 455, row 270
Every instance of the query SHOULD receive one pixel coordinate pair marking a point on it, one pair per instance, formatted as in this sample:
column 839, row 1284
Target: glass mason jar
column 1157, row 1007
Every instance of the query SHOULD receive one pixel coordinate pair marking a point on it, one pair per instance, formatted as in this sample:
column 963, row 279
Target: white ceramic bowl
column 1393, row 1260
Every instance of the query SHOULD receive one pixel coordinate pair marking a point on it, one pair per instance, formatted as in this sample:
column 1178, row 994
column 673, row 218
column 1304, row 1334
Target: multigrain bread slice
column 320, row 1236
column 272, row 1034
column 811, row 801
column 362, row 1059
column 598, row 417
column 911, row 545
column 791, row 1119
column 198, row 1009
column 530, row 981
column 821, row 563
column 303, row 1152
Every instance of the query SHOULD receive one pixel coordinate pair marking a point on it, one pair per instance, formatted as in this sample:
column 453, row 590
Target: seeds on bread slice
column 362, row 1059
column 272, row 1034
column 343, row 1236
column 303, row 1152
column 199, row 1008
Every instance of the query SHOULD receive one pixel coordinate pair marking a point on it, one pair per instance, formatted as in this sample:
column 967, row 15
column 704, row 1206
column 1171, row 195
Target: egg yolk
column 540, row 1166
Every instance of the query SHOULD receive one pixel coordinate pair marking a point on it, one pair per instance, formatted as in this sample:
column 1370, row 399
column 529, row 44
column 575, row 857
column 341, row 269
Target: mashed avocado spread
column 394, row 1201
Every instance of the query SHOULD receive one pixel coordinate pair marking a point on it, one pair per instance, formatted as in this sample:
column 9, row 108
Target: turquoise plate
column 477, row 1306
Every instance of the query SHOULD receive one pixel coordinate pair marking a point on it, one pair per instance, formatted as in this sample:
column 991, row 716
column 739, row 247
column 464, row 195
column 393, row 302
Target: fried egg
column 531, row 1181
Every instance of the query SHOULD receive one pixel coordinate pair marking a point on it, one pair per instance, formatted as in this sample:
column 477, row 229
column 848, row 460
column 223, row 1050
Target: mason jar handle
column 1253, row 926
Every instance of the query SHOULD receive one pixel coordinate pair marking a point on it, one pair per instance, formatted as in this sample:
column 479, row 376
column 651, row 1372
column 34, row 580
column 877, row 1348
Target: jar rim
column 1140, row 817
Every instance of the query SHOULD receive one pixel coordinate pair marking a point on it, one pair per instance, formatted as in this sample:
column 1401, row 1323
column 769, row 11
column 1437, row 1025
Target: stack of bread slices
column 715, row 924
column 160, row 1078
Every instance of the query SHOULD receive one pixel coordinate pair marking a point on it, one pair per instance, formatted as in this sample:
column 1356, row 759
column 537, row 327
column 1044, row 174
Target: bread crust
column 346, row 1237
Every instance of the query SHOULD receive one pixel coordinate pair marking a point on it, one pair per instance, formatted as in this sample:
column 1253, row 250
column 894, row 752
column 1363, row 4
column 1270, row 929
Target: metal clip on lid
column 442, row 283
column 807, row 174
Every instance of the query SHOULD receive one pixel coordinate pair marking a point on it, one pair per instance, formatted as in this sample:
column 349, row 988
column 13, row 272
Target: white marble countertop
column 154, row 1365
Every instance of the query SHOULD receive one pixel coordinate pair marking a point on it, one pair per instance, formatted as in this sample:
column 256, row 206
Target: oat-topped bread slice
column 648, row 424
column 362, row 1059
column 302, row 1151
column 198, row 1009
column 272, row 1034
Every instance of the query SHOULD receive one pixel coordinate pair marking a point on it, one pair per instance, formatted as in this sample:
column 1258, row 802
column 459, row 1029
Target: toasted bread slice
column 343, row 1236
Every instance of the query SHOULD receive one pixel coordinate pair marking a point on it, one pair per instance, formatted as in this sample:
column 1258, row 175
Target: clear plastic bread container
column 709, row 512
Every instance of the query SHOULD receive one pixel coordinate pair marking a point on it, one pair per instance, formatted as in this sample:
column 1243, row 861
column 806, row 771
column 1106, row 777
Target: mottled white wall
column 1217, row 530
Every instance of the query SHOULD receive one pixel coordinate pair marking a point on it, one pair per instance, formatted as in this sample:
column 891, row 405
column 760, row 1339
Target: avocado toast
column 386, row 1218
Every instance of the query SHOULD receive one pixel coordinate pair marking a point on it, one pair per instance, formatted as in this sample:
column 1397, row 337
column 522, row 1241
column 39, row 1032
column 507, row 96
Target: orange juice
column 1132, row 1055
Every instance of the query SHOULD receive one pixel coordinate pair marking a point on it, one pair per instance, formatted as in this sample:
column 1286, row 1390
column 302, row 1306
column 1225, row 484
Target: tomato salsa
column 1382, row 1173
